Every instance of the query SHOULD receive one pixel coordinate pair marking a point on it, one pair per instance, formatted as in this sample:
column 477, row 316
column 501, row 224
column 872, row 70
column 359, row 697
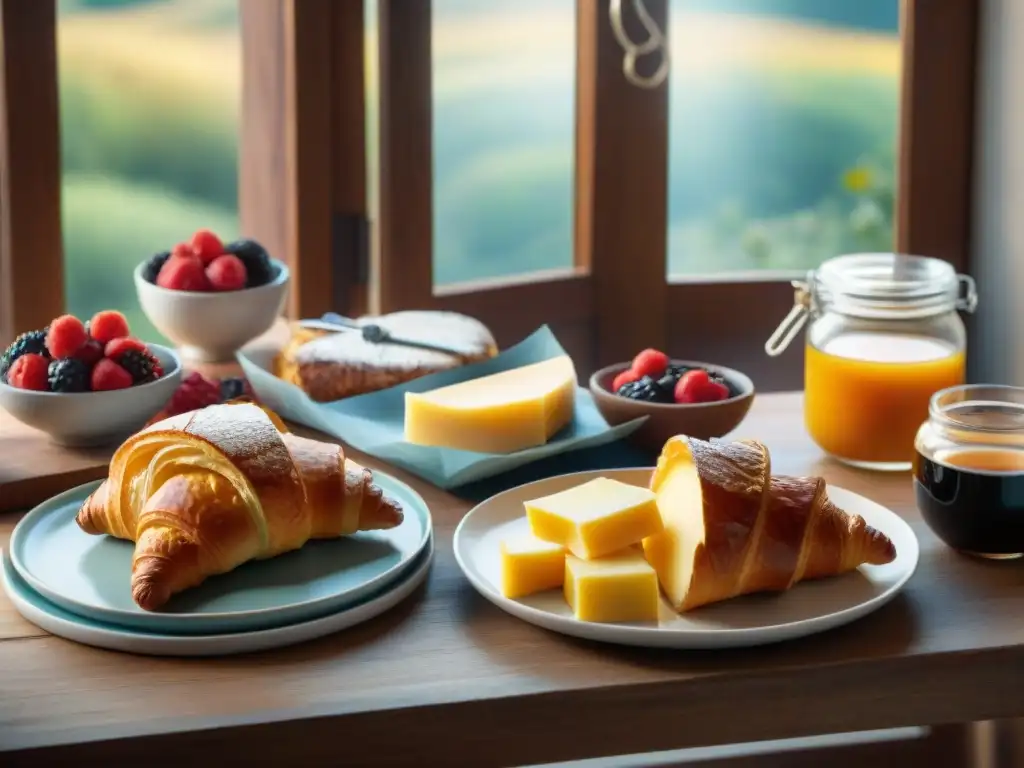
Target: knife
column 372, row 333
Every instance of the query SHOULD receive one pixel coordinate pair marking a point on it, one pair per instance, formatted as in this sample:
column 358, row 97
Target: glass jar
column 969, row 469
column 883, row 335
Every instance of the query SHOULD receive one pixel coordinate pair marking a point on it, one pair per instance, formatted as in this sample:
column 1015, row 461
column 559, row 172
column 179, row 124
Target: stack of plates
column 78, row 586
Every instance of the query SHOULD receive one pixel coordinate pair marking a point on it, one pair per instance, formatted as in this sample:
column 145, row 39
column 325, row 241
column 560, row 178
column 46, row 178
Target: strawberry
column 109, row 375
column 29, row 372
column 184, row 249
column 207, row 246
column 628, row 376
column 651, row 363
column 183, row 273
column 227, row 273
column 66, row 335
column 108, row 324
column 697, row 387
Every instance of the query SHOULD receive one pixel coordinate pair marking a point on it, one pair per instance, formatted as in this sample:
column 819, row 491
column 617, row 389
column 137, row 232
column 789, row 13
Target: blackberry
column 233, row 389
column 68, row 375
column 138, row 364
column 677, row 370
column 646, row 389
column 258, row 267
column 153, row 266
column 32, row 342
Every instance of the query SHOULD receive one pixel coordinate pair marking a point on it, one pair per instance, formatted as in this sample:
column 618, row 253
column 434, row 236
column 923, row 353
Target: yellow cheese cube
column 530, row 565
column 620, row 587
column 596, row 518
column 505, row 412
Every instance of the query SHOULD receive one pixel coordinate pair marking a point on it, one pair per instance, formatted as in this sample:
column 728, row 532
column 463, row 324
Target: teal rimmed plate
column 54, row 619
column 91, row 575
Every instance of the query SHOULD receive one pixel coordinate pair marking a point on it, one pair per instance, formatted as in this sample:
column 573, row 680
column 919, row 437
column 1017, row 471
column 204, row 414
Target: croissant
column 204, row 492
column 731, row 529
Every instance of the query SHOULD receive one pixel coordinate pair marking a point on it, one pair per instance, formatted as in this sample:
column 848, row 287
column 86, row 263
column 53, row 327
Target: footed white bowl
column 209, row 327
column 85, row 419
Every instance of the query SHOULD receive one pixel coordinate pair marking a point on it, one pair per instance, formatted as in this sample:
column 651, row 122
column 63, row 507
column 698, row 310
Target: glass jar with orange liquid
column 883, row 335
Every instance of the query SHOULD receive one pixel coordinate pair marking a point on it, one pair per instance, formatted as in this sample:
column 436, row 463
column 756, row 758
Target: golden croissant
column 731, row 529
column 204, row 492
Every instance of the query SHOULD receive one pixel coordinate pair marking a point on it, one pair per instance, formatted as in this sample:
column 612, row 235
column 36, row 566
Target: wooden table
column 448, row 679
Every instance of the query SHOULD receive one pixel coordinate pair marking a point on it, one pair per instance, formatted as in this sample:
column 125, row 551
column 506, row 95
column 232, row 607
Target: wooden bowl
column 665, row 420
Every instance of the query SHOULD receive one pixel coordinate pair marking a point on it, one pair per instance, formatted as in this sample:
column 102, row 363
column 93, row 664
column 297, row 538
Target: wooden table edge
column 543, row 727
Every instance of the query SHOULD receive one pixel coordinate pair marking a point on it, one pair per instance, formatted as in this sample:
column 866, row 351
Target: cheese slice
column 596, row 518
column 620, row 587
column 530, row 565
column 505, row 412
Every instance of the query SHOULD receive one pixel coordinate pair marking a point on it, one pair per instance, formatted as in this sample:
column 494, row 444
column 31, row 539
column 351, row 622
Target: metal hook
column 655, row 41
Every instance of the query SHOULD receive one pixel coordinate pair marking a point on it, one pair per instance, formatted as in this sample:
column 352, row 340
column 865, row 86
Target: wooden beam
column 936, row 145
column 406, row 155
column 621, row 185
column 31, row 244
column 303, row 174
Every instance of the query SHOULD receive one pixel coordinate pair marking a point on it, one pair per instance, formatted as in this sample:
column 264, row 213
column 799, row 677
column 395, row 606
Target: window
column 399, row 156
column 784, row 122
column 149, row 109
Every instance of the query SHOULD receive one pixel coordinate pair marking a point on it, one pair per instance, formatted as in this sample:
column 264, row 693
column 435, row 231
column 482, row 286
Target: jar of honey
column 883, row 335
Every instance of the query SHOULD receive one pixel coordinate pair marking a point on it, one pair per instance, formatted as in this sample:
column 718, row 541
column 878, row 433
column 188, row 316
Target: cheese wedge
column 596, row 518
column 505, row 412
column 530, row 565
column 620, row 587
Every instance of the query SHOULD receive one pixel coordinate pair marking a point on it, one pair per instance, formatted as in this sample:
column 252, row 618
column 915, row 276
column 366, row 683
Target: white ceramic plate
column 56, row 620
column 808, row 608
column 91, row 575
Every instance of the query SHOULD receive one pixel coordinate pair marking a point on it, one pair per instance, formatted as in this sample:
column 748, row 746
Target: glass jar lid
column 879, row 286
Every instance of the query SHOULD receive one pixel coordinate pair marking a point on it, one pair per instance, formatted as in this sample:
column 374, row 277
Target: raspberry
column 89, row 353
column 29, row 372
column 32, row 341
column 227, row 273
column 108, row 324
column 624, row 378
column 207, row 246
column 184, row 249
column 183, row 273
column 66, row 335
column 109, row 375
column 117, row 347
column 697, row 387
column 651, row 363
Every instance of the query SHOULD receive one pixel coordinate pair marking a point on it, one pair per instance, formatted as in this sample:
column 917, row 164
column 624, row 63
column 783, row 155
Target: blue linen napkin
column 375, row 423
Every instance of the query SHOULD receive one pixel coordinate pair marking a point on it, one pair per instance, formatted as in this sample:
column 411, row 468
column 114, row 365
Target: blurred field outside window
column 782, row 153
column 784, row 118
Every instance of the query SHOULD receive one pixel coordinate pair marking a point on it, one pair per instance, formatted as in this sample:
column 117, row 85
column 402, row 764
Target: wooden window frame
column 303, row 181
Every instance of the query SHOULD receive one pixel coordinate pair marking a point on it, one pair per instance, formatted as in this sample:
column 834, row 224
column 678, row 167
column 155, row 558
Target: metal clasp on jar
column 803, row 301
column 794, row 321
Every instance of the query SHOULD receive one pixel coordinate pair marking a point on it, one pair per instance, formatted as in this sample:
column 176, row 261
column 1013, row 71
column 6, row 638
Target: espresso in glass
column 969, row 469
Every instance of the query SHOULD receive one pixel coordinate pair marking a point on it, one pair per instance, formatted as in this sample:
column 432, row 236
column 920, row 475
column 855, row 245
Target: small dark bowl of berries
column 678, row 397
column 210, row 297
column 86, row 383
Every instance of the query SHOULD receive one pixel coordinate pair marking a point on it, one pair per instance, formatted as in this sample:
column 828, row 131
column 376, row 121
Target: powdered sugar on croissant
column 204, row 492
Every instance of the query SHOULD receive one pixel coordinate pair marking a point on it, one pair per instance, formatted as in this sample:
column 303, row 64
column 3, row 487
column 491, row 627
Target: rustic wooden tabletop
column 447, row 679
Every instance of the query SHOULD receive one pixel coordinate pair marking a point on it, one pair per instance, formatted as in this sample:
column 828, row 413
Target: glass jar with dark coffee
column 969, row 469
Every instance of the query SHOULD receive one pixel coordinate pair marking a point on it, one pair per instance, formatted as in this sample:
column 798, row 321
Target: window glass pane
column 504, row 87
column 149, row 100
column 783, row 135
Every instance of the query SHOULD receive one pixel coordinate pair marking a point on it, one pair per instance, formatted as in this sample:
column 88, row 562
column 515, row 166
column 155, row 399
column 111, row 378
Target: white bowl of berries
column 678, row 397
column 86, row 384
column 209, row 298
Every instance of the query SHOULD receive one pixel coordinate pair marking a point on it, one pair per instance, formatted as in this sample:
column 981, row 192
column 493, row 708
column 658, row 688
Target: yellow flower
column 858, row 179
